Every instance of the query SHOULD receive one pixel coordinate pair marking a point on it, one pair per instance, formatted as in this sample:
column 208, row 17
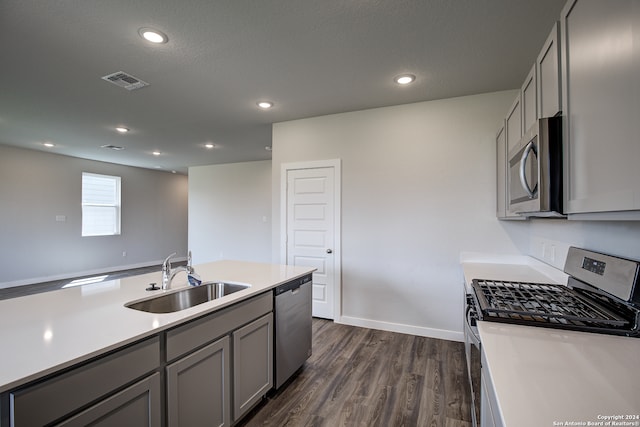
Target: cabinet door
column 514, row 125
column 601, row 101
column 501, row 173
column 252, row 364
column 528, row 97
column 137, row 405
column 548, row 76
column 199, row 387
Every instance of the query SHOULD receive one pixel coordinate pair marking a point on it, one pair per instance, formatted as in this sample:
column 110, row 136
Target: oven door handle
column 473, row 331
column 523, row 176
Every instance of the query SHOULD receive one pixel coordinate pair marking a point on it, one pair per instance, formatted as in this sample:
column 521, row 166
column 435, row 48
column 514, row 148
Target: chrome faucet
column 168, row 273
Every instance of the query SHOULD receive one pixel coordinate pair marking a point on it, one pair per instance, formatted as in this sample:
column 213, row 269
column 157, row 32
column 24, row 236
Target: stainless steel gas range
column 602, row 295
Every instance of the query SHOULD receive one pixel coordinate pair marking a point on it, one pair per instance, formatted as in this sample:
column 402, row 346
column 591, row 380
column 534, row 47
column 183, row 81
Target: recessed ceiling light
column 209, row 146
column 156, row 153
column 153, row 36
column 265, row 105
column 122, row 129
column 405, row 79
column 49, row 144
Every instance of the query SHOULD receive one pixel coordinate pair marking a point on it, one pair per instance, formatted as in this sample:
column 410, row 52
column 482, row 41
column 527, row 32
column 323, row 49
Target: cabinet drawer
column 54, row 398
column 184, row 339
column 137, row 405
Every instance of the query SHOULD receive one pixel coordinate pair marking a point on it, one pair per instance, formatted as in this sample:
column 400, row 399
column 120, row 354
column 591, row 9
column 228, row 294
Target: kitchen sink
column 186, row 298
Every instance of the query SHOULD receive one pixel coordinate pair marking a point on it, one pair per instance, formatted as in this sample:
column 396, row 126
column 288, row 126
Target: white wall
column 550, row 239
column 418, row 187
column 230, row 212
column 35, row 187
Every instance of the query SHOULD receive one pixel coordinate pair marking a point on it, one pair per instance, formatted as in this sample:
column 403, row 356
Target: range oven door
column 472, row 349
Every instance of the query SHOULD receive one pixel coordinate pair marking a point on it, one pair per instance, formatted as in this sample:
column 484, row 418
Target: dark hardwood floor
column 365, row 377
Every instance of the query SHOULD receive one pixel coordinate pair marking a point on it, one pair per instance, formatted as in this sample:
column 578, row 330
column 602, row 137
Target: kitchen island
column 48, row 334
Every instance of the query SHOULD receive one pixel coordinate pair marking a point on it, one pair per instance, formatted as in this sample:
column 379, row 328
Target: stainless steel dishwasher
column 293, row 327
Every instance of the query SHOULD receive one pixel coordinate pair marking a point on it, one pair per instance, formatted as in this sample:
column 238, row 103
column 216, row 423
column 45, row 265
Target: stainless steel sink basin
column 188, row 297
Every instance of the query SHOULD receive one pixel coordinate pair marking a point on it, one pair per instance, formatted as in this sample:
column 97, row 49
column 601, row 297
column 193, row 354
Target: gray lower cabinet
column 206, row 386
column 252, row 364
column 199, row 387
column 94, row 385
column 137, row 405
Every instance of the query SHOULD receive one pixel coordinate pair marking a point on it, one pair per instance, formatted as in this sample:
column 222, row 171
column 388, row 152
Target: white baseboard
column 401, row 328
column 75, row 274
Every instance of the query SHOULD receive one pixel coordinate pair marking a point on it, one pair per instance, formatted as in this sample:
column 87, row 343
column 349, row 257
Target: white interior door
column 311, row 211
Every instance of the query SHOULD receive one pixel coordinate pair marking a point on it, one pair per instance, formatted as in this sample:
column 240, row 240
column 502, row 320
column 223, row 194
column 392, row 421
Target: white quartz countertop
column 508, row 267
column 43, row 333
column 550, row 377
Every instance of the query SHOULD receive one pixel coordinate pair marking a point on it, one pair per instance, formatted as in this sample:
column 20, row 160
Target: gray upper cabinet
column 528, row 98
column 514, row 124
column 548, row 76
column 502, row 201
column 601, row 103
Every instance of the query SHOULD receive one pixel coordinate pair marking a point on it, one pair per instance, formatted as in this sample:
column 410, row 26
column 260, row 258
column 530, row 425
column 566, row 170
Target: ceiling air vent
column 125, row 80
column 112, row 147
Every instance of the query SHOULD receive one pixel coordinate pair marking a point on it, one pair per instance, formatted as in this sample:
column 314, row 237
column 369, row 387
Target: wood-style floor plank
column 360, row 377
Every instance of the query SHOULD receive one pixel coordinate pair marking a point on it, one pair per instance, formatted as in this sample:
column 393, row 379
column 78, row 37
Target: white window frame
column 116, row 205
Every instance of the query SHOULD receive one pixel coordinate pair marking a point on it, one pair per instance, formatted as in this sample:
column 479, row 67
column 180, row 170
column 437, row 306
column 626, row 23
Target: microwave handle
column 523, row 178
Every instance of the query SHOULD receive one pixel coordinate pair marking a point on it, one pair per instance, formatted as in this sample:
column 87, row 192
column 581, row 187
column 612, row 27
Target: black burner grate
column 542, row 304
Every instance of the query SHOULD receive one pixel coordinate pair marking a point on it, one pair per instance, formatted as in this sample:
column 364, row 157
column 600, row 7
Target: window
column 100, row 205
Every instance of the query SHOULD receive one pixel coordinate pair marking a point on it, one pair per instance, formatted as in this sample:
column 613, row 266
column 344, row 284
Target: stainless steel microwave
column 535, row 170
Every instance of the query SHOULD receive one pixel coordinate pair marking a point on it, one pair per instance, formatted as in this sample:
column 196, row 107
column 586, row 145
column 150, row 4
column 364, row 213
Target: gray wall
column 230, row 212
column 418, row 187
column 35, row 187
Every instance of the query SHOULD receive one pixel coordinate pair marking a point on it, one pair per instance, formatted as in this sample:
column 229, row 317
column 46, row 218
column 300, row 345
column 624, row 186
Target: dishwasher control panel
column 293, row 284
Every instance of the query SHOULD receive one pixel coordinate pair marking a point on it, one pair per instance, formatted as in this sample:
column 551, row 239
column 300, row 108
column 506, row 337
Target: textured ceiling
column 310, row 58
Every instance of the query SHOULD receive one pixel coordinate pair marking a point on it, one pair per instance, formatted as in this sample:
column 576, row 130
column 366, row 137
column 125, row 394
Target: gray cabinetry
column 513, row 127
column 199, row 387
column 548, row 76
column 252, row 364
column 56, row 399
column 502, row 184
column 138, row 405
column 601, row 102
column 528, row 98
column 489, row 411
column 204, row 382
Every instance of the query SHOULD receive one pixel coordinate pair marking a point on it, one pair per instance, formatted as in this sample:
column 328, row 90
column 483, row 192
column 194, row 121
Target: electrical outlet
column 124, row 253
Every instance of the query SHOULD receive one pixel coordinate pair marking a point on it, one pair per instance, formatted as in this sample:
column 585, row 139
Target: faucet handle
column 166, row 265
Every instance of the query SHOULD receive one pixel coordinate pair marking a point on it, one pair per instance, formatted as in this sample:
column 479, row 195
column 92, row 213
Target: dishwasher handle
column 293, row 285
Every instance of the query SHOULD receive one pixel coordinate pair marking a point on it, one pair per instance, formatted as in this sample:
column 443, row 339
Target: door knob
column 329, row 251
